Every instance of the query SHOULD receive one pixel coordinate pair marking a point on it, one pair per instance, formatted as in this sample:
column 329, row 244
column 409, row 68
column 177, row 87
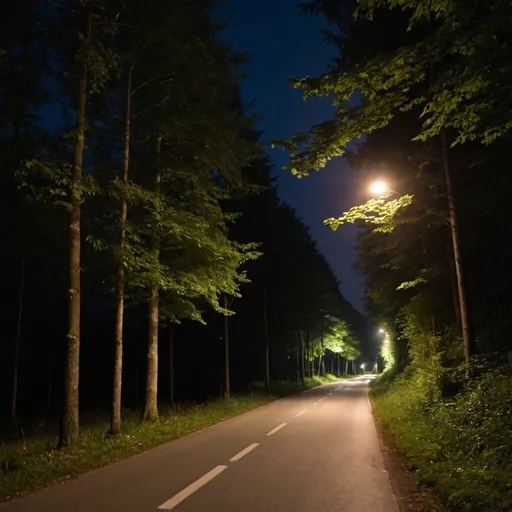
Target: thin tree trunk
column 227, row 394
column 267, row 343
column 346, row 366
column 453, row 277
column 466, row 324
column 171, row 364
column 115, row 422
column 302, row 365
column 332, row 365
column 151, row 400
column 320, row 360
column 17, row 343
column 298, row 357
column 309, row 352
column 69, row 431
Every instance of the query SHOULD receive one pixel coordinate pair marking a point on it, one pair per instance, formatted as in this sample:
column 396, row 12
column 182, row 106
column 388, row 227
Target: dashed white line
column 279, row 427
column 316, row 403
column 192, row 488
column 244, row 452
column 301, row 413
column 329, row 394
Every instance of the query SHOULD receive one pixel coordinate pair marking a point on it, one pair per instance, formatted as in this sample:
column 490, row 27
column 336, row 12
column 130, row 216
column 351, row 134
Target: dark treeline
column 137, row 212
column 430, row 97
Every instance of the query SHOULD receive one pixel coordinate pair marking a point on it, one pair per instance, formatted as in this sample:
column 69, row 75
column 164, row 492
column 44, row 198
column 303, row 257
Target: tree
column 191, row 259
column 436, row 71
column 87, row 77
column 22, row 61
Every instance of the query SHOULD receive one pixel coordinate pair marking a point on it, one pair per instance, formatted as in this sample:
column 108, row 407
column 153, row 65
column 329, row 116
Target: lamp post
column 380, row 188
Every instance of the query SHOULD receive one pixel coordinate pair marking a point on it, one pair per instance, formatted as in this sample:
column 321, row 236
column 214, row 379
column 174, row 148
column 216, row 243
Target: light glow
column 379, row 188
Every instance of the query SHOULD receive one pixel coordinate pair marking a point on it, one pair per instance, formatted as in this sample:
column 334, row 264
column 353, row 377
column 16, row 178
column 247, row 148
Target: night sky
column 282, row 43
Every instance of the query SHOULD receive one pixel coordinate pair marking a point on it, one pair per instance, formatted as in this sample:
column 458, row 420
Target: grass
column 32, row 462
column 462, row 445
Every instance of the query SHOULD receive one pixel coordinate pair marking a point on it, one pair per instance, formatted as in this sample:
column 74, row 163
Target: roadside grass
column 461, row 446
column 31, row 462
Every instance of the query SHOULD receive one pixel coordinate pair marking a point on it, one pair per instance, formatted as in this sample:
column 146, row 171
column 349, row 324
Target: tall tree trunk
column 309, row 356
column 453, row 276
column 227, row 393
column 115, row 422
column 17, row 342
column 468, row 338
column 267, row 342
column 151, row 400
column 298, row 357
column 321, row 359
column 332, row 365
column 346, row 366
column 302, row 357
column 171, row 364
column 69, row 431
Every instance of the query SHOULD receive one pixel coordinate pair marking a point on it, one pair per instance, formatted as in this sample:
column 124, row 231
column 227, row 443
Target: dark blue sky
column 282, row 43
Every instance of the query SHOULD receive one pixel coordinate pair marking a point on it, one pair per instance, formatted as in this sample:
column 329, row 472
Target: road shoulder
column 410, row 496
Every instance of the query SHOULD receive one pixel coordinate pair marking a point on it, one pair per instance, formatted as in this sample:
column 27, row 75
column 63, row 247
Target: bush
column 462, row 446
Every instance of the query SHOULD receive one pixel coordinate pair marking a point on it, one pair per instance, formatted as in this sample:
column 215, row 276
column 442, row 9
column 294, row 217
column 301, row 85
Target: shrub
column 462, row 446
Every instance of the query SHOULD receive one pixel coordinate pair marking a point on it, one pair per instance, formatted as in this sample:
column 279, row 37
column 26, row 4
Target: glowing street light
column 378, row 188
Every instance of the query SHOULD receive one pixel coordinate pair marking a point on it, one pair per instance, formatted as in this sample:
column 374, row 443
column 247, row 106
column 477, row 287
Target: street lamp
column 380, row 188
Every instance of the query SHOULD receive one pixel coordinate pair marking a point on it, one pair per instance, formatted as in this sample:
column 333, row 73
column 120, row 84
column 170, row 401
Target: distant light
column 363, row 366
column 379, row 188
column 381, row 331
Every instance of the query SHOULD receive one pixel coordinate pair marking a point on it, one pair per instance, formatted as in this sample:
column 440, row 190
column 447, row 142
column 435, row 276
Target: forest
column 423, row 87
column 156, row 283
column 150, row 268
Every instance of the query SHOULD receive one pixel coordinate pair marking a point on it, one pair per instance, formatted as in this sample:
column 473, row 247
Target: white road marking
column 279, row 427
column 245, row 451
column 316, row 403
column 329, row 394
column 192, row 488
column 300, row 413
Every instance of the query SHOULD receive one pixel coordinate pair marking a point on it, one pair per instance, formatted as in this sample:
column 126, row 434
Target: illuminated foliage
column 451, row 67
column 379, row 211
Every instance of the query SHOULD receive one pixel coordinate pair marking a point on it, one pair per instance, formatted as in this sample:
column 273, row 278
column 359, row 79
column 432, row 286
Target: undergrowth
column 30, row 460
column 461, row 444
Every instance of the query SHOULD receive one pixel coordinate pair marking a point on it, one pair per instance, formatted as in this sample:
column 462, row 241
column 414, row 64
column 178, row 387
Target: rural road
column 316, row 451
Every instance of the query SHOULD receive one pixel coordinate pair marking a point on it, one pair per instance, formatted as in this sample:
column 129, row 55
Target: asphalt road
column 316, row 452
